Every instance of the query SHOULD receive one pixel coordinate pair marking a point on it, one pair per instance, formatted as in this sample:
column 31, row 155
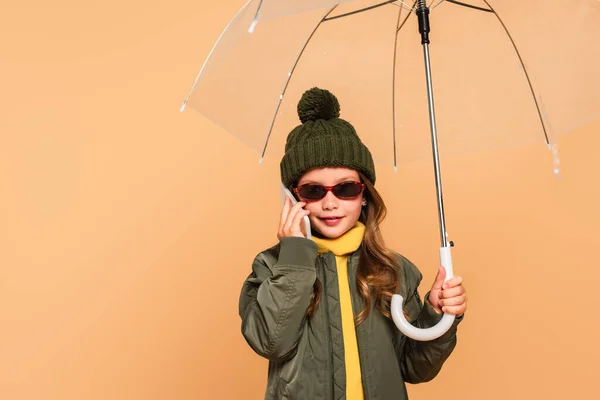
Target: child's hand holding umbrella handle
column 448, row 295
column 433, row 332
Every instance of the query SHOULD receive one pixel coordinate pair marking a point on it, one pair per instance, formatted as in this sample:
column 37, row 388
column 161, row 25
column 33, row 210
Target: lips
column 331, row 221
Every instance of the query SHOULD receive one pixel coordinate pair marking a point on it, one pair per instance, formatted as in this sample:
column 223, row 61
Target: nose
column 329, row 202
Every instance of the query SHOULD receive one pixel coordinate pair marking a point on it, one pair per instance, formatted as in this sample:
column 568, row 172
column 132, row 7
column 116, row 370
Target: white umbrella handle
column 428, row 333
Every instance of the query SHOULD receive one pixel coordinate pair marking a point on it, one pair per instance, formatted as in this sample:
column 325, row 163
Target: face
column 331, row 216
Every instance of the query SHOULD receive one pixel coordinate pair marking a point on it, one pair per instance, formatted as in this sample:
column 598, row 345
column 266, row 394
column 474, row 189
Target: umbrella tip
column 252, row 26
column 260, row 161
column 555, row 159
column 183, row 106
column 395, row 168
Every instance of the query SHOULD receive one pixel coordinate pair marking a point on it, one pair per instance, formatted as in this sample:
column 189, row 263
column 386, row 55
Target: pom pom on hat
column 318, row 104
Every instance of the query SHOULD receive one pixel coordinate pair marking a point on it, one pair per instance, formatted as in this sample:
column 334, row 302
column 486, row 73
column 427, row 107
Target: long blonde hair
column 377, row 274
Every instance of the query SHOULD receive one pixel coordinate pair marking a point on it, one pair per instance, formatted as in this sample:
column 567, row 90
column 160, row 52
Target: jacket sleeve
column 275, row 298
column 422, row 361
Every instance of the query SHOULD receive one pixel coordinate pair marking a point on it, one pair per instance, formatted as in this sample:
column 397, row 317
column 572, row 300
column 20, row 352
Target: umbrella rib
column 435, row 5
column 361, row 10
column 258, row 10
column 405, row 6
column 255, row 20
column 472, row 6
column 537, row 106
column 399, row 26
column 288, row 81
column 394, row 91
column 406, row 18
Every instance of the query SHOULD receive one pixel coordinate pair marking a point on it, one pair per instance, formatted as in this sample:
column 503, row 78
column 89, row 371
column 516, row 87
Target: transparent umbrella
column 504, row 73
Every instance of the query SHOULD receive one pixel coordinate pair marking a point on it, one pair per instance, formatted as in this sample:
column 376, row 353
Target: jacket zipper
column 326, row 305
column 359, row 335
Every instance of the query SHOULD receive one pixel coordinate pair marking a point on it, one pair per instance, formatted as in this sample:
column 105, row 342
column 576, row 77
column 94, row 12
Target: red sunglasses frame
column 330, row 189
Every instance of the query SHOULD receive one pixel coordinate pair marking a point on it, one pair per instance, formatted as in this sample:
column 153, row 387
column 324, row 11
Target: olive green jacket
column 307, row 355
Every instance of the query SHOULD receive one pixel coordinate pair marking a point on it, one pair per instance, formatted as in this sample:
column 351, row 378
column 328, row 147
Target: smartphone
column 285, row 192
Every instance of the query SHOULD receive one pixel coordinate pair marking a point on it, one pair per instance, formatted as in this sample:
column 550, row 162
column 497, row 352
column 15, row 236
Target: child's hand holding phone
column 294, row 219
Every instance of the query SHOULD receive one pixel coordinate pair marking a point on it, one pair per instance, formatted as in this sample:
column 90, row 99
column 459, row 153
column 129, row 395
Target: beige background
column 126, row 234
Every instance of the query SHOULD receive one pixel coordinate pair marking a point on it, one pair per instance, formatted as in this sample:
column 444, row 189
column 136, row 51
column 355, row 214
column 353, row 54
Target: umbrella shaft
column 434, row 144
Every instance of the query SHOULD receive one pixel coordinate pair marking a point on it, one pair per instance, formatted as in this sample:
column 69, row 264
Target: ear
column 364, row 202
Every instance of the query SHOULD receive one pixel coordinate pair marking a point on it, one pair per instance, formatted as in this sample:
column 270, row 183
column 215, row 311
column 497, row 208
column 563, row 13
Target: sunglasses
column 343, row 191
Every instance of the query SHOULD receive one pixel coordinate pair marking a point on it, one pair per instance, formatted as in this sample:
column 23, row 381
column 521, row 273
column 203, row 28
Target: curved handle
column 433, row 332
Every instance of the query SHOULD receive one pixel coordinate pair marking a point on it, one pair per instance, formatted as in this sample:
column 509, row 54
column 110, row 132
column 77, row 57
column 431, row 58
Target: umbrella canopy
column 504, row 72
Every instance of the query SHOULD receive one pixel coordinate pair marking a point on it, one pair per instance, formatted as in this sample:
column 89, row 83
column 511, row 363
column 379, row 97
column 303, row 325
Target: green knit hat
column 323, row 140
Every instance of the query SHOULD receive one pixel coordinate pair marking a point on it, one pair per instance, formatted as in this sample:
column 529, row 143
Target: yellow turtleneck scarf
column 342, row 247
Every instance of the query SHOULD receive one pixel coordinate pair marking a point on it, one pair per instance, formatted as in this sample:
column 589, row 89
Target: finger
column 454, row 301
column 455, row 310
column 283, row 217
column 435, row 302
column 454, row 281
column 292, row 215
column 452, row 292
column 297, row 220
column 285, row 211
column 439, row 279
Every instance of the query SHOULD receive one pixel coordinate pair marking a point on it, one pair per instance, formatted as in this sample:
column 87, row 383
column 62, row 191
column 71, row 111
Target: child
column 319, row 310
